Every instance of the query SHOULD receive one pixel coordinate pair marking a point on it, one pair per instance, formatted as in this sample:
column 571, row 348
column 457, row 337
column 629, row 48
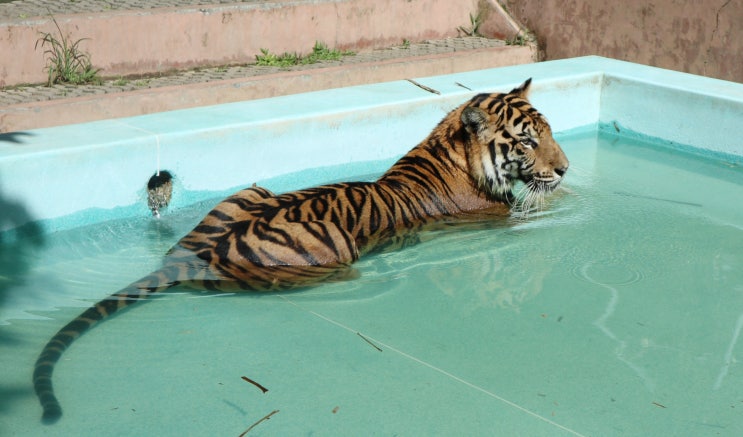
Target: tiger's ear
column 523, row 89
column 475, row 120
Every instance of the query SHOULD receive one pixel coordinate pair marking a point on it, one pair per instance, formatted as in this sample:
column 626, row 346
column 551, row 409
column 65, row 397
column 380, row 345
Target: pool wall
column 73, row 175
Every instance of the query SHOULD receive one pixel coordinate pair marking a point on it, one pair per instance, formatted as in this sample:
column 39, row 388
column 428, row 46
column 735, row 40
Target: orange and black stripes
column 42, row 377
column 256, row 240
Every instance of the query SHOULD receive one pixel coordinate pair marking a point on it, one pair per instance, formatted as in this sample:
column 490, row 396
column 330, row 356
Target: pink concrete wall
column 696, row 36
column 157, row 40
column 98, row 107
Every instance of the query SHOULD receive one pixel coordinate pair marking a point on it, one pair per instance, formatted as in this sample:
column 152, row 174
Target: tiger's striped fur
column 256, row 240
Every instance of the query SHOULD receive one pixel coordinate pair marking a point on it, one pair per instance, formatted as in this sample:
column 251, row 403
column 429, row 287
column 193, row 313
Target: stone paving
column 24, row 9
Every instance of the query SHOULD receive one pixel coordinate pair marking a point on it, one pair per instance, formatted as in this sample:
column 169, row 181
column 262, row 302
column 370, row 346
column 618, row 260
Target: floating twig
column 263, row 389
column 659, row 405
column 421, row 86
column 463, row 86
column 660, row 199
column 369, row 341
column 266, row 417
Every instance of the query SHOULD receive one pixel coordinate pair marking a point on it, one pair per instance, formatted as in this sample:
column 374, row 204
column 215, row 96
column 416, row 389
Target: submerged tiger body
column 256, row 240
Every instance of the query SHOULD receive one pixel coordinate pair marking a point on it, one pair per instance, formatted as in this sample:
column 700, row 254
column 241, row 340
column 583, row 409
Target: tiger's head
column 508, row 141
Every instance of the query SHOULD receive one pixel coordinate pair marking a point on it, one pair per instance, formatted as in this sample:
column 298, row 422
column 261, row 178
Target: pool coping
column 252, row 138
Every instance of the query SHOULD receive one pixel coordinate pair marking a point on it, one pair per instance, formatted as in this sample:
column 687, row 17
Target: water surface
column 617, row 310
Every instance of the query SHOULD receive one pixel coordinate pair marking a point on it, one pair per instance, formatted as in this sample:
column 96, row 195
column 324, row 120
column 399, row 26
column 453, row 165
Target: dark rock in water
column 159, row 191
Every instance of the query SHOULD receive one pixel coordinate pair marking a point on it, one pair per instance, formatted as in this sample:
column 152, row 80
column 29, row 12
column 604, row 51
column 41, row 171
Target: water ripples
column 607, row 273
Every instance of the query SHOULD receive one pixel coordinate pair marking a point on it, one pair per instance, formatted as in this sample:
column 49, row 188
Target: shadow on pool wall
column 17, row 244
column 17, row 247
column 13, row 137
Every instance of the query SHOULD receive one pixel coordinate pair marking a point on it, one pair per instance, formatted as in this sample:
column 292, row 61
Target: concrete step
column 194, row 60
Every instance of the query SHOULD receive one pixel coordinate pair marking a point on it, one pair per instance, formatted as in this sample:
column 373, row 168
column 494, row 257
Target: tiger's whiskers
column 530, row 198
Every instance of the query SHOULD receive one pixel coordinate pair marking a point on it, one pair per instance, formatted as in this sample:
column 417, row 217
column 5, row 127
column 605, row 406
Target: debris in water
column 640, row 196
column 263, row 389
column 423, row 87
column 266, row 417
column 369, row 341
column 159, row 191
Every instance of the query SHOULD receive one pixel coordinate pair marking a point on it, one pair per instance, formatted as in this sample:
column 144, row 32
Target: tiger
column 257, row 240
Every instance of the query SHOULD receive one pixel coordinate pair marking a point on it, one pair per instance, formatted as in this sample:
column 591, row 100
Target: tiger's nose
column 561, row 170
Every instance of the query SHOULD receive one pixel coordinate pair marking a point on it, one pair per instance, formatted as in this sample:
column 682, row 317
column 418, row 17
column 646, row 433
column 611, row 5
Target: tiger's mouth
column 531, row 196
column 504, row 183
column 542, row 185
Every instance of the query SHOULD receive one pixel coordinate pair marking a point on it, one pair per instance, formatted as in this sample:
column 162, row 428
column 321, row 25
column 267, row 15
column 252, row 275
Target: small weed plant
column 65, row 62
column 320, row 52
column 474, row 29
column 521, row 39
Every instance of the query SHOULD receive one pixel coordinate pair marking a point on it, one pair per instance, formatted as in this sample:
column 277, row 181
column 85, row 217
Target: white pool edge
column 79, row 174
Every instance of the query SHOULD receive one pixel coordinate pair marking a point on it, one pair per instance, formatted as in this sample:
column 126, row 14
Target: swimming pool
column 529, row 327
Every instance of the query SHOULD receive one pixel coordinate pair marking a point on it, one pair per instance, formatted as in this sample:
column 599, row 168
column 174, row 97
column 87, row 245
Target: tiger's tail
column 155, row 282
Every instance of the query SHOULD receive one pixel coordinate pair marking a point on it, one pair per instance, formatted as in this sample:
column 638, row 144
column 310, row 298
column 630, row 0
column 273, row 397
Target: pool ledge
column 49, row 174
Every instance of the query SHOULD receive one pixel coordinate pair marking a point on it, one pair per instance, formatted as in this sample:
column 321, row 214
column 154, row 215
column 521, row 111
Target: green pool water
column 617, row 310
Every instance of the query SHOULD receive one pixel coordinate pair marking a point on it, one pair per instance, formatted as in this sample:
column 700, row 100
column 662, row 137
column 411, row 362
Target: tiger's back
column 256, row 240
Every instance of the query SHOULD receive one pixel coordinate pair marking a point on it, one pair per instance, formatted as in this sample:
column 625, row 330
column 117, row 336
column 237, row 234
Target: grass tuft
column 320, row 52
column 65, row 62
column 474, row 29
